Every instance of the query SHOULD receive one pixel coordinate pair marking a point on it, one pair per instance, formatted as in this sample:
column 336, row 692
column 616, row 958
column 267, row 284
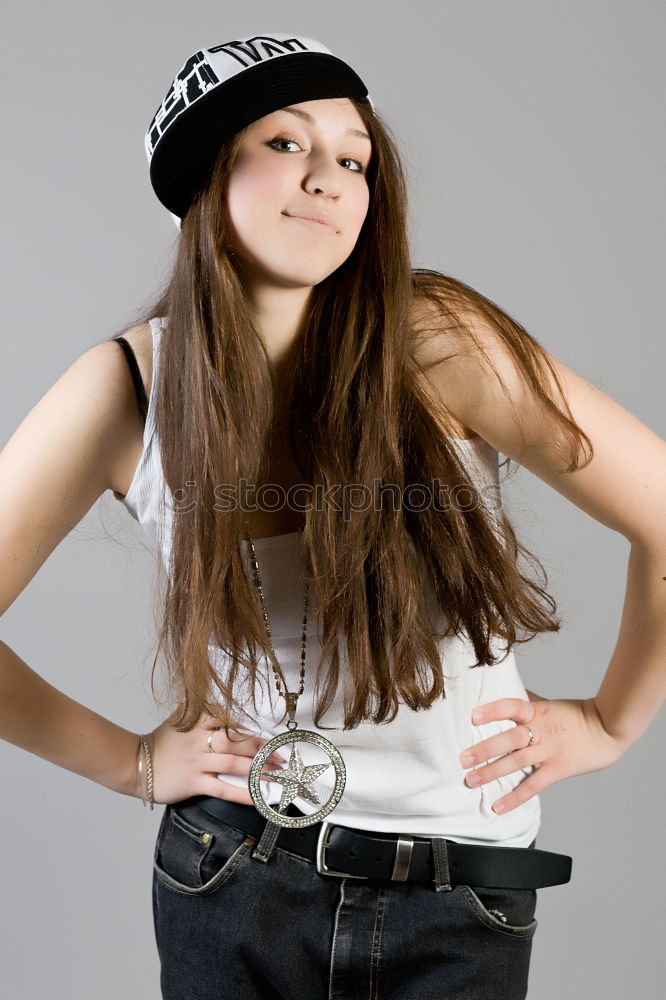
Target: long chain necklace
column 297, row 778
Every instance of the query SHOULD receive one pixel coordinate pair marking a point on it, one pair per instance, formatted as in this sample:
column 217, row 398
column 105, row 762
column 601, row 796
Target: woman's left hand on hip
column 570, row 740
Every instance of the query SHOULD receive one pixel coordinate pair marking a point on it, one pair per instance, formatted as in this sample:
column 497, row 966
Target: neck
column 279, row 315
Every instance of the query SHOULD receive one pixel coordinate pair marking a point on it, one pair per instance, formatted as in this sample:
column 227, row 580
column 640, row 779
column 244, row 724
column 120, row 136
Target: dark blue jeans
column 231, row 927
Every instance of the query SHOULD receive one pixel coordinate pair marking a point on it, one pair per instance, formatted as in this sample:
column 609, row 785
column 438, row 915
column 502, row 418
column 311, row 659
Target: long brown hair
column 361, row 412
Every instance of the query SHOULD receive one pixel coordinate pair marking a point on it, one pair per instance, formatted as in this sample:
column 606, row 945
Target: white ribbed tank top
column 404, row 776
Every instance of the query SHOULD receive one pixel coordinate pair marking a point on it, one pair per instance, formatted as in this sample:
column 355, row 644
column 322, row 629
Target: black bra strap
column 136, row 377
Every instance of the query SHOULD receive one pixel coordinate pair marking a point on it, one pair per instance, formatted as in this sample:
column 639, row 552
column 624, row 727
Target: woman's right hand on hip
column 184, row 765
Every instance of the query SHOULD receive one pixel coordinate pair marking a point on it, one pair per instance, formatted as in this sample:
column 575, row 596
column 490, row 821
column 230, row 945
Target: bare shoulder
column 516, row 395
column 72, row 446
column 486, row 377
column 443, row 358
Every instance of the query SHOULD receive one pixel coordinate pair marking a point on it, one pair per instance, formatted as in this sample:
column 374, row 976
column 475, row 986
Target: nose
column 323, row 177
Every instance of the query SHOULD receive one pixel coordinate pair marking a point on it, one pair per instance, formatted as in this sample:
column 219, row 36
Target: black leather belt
column 348, row 853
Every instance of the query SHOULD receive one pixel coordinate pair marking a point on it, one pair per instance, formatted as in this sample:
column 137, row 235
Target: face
column 305, row 161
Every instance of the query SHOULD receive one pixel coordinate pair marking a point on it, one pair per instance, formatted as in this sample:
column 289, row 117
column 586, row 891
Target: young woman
column 308, row 429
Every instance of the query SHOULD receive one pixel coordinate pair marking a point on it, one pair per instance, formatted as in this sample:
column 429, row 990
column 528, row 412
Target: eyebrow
column 308, row 118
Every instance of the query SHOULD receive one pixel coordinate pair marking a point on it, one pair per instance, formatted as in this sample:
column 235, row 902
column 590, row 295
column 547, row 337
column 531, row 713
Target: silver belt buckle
column 322, row 844
column 403, row 854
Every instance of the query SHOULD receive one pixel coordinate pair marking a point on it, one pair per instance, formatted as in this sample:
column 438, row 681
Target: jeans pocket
column 510, row 911
column 196, row 854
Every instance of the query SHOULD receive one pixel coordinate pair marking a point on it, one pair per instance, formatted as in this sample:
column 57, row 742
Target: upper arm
column 59, row 461
column 624, row 484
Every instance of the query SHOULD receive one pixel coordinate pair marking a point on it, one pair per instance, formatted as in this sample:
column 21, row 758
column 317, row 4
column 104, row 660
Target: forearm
column 634, row 686
column 37, row 717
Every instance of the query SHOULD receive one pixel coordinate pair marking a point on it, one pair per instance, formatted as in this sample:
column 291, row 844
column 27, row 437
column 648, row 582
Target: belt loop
column 441, row 861
column 264, row 848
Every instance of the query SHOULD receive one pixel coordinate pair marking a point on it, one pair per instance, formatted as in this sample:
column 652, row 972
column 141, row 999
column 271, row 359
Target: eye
column 350, row 159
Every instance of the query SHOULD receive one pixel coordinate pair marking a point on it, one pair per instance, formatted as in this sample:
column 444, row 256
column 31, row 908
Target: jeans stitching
column 382, row 901
column 169, row 835
column 183, row 824
column 340, row 906
column 229, row 868
column 526, row 932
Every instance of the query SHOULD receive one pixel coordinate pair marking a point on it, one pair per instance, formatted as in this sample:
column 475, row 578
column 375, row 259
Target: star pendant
column 295, row 780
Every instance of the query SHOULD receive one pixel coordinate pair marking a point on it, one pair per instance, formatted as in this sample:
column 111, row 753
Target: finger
column 507, row 741
column 208, row 721
column 505, row 765
column 517, row 709
column 248, row 746
column 532, row 785
column 230, row 763
column 219, row 789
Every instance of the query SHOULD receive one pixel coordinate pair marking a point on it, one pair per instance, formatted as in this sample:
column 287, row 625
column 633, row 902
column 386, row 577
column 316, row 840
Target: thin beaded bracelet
column 143, row 746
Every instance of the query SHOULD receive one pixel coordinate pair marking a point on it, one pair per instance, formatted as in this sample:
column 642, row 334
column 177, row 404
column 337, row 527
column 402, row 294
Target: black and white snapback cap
column 222, row 89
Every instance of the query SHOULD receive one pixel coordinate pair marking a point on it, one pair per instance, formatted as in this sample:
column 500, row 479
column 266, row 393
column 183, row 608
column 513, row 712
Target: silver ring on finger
column 532, row 739
column 210, row 742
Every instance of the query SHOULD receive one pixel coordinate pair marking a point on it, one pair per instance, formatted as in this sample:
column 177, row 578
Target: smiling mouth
column 322, row 227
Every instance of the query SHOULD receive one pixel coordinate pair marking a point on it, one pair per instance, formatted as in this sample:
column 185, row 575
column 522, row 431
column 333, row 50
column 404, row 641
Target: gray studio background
column 532, row 135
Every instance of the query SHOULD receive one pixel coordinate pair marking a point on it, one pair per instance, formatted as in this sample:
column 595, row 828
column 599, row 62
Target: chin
column 297, row 273
column 303, row 278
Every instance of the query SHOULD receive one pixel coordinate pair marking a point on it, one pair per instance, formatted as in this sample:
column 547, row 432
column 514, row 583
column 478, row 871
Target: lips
column 312, row 220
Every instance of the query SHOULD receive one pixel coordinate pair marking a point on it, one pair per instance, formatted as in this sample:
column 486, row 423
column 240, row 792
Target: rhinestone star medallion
column 296, row 778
